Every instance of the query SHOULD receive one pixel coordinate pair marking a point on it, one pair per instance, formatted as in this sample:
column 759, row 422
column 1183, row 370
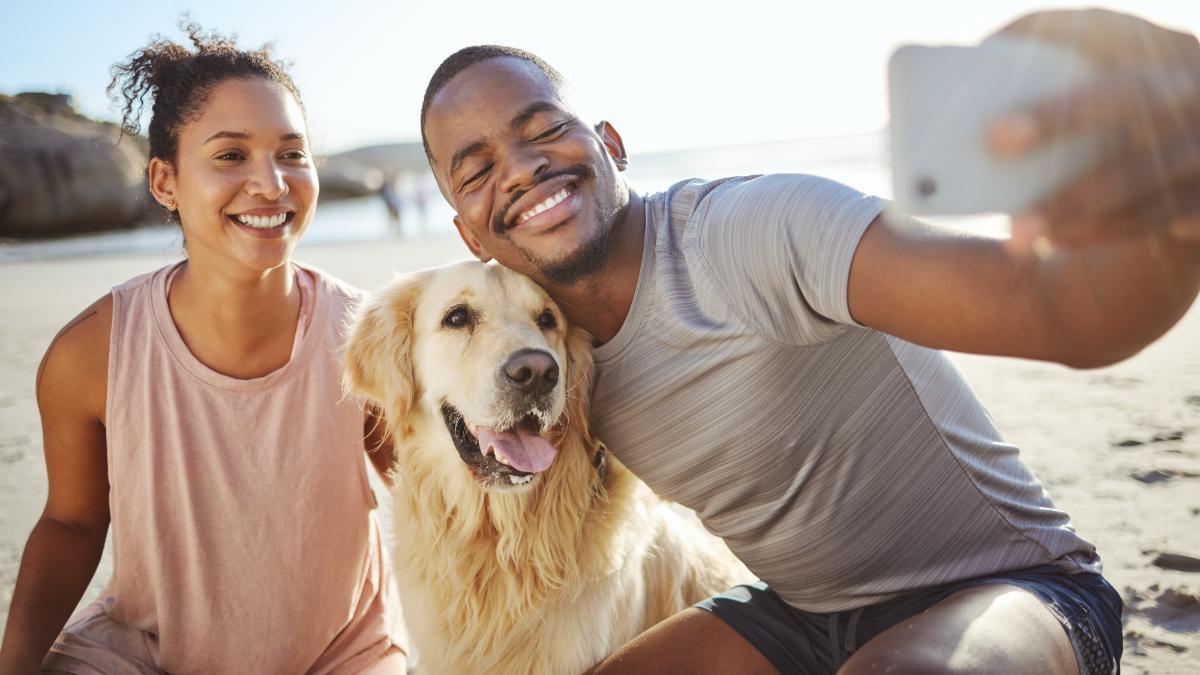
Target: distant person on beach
column 197, row 412
column 767, row 356
column 395, row 207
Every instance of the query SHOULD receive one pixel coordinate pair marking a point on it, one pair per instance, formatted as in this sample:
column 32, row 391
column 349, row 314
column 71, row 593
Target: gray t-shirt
column 842, row 465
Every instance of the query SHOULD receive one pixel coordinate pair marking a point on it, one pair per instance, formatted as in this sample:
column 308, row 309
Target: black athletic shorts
column 795, row 641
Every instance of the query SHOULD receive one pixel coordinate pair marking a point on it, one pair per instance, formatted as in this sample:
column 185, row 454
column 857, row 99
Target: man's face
column 533, row 186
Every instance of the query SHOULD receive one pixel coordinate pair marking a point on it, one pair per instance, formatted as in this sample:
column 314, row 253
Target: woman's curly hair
column 179, row 80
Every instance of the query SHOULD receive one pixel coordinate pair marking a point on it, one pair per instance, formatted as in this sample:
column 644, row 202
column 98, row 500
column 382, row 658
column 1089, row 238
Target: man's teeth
column 550, row 202
column 263, row 222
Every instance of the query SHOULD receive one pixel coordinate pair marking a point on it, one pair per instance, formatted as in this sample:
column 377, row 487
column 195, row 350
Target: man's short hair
column 469, row 56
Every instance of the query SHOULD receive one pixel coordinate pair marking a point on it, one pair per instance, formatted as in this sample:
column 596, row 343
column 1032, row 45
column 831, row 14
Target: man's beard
column 585, row 261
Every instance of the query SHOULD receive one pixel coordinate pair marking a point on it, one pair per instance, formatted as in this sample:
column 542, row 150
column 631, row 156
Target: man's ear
column 613, row 144
column 469, row 239
column 161, row 175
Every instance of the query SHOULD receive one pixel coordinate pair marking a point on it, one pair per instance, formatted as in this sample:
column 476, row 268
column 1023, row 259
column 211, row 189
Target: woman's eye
column 457, row 317
column 295, row 154
column 229, row 156
column 546, row 320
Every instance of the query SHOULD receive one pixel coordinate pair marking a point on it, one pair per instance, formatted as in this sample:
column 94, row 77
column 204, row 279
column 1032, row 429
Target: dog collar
column 600, row 462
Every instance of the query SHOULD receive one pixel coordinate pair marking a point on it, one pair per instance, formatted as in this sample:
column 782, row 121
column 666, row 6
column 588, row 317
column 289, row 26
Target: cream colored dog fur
column 547, row 572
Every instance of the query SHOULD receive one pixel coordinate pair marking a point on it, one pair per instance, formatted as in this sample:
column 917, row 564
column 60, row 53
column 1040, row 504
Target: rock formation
column 62, row 173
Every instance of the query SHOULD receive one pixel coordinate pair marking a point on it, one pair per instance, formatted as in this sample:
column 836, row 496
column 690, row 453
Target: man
column 767, row 358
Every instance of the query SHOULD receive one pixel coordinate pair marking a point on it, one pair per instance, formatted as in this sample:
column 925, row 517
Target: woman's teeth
column 551, row 201
column 263, row 222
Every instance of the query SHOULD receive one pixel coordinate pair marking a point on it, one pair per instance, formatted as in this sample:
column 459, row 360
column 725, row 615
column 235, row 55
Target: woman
column 197, row 409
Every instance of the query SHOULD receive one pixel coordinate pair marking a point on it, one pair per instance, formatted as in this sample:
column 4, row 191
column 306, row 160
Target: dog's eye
column 546, row 320
column 457, row 317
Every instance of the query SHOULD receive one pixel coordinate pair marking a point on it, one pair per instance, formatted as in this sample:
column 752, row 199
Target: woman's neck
column 241, row 324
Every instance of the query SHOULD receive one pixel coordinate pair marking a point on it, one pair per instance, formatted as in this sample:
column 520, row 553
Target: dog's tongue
column 522, row 450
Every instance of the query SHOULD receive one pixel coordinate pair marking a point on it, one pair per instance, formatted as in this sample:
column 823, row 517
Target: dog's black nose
column 532, row 371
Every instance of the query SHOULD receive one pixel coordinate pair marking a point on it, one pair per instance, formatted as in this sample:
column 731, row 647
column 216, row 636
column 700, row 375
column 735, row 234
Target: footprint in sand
column 1174, row 610
column 1161, row 475
column 12, row 449
column 1177, row 562
column 1115, row 381
column 1161, row 437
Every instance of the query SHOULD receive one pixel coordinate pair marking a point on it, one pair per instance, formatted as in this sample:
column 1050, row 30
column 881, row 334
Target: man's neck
column 600, row 302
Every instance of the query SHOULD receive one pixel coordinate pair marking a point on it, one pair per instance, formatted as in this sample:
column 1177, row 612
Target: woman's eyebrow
column 243, row 136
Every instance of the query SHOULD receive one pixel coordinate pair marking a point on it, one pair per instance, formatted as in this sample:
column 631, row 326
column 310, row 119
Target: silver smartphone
column 943, row 100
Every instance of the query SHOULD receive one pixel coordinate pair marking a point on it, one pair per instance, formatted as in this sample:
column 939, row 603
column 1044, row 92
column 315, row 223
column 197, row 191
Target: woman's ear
column 378, row 351
column 161, row 177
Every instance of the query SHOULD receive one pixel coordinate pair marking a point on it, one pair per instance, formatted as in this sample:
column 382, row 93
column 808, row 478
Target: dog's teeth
column 520, row 480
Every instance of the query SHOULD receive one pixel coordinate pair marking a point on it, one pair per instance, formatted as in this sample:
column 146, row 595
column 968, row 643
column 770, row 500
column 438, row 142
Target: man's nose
column 522, row 168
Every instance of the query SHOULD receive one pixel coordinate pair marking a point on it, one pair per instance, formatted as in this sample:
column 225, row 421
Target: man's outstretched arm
column 1093, row 273
column 1083, row 307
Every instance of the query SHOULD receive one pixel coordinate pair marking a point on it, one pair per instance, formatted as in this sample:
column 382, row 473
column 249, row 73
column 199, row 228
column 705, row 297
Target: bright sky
column 668, row 74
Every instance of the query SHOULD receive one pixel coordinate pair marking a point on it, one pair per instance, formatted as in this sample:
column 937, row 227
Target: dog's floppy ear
column 378, row 353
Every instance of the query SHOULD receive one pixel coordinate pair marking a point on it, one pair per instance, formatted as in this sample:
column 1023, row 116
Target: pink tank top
column 243, row 533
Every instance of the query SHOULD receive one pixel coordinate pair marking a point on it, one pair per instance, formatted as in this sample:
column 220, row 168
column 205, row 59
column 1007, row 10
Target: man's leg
column 985, row 629
column 692, row 641
column 992, row 627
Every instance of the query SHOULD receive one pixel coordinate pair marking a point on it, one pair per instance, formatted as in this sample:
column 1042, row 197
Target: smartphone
column 943, row 100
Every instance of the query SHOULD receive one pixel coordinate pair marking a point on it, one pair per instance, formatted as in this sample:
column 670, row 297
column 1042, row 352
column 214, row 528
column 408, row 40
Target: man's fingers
column 1151, row 215
column 1163, row 172
column 1187, row 228
column 1143, row 106
column 1109, row 39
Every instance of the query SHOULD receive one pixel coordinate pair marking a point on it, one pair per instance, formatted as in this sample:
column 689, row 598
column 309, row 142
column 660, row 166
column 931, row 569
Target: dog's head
column 486, row 353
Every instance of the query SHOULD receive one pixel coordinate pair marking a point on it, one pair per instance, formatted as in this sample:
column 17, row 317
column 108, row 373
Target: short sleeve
column 779, row 247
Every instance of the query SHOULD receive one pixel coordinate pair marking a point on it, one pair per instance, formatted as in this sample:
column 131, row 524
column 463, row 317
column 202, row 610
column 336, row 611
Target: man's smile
column 551, row 202
column 554, row 198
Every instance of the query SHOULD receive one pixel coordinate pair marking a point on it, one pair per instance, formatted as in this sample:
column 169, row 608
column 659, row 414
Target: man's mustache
column 580, row 172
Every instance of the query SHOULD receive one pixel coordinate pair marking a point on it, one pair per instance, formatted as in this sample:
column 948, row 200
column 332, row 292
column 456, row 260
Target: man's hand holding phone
column 1147, row 183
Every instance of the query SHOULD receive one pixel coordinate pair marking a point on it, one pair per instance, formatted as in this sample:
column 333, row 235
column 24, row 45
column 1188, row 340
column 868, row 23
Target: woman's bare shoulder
column 75, row 368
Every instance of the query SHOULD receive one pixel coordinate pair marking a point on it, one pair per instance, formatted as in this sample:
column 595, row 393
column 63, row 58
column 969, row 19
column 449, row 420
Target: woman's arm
column 379, row 443
column 65, row 546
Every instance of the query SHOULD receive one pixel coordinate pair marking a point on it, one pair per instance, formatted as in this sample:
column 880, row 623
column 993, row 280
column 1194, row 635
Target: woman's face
column 243, row 179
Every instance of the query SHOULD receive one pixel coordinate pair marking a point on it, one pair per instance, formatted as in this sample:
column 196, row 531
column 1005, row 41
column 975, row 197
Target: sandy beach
column 1117, row 448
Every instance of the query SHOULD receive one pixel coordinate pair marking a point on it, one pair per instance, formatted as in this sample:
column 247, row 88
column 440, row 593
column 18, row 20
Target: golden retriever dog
column 521, row 546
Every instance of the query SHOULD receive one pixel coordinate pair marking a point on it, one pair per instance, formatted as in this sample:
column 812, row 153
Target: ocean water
column 858, row 160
